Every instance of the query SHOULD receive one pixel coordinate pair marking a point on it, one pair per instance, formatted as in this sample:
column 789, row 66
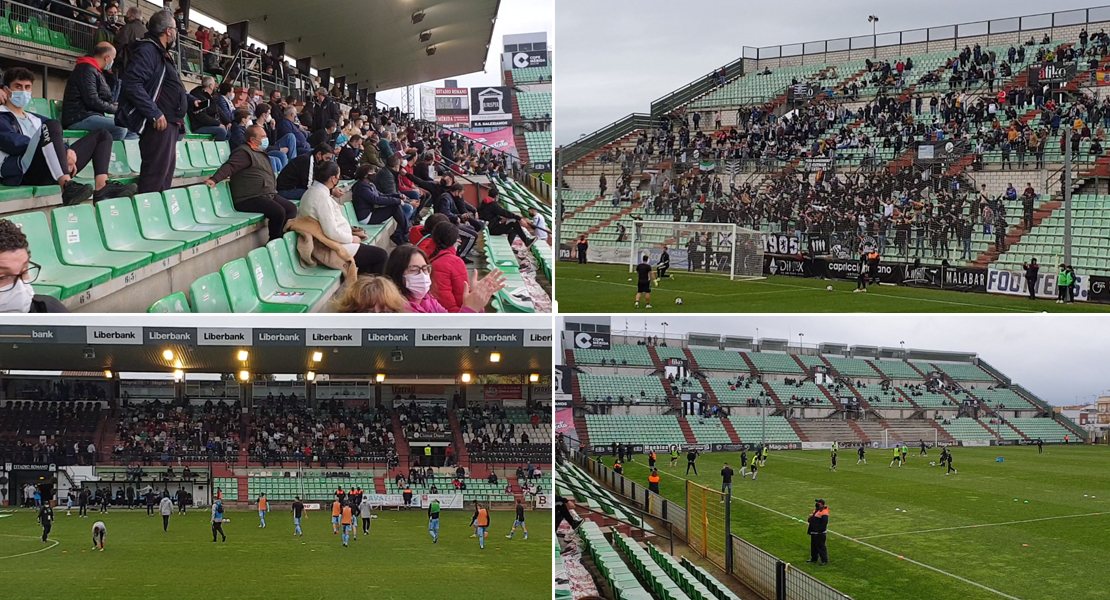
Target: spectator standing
column 1032, row 275
column 153, row 102
column 134, row 29
column 326, row 109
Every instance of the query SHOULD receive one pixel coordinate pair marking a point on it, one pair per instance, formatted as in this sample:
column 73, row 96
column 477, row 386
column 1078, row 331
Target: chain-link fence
column 706, row 523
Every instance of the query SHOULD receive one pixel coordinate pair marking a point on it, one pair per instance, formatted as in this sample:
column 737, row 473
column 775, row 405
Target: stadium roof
column 344, row 352
column 372, row 42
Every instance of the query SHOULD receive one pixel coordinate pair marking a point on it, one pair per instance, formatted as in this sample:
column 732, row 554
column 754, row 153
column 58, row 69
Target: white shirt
column 539, row 227
column 317, row 203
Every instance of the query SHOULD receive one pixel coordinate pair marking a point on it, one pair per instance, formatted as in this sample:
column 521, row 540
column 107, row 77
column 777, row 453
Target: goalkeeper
column 663, row 265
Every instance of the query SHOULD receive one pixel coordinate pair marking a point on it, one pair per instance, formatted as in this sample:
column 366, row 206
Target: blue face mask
column 265, row 143
column 21, row 99
column 342, row 139
column 108, row 67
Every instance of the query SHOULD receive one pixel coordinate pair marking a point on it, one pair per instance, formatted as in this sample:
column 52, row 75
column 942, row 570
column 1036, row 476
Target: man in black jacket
column 206, row 117
column 17, row 273
column 325, row 135
column 252, row 182
column 350, row 157
column 153, row 102
column 374, row 208
column 295, row 177
column 500, row 220
column 818, row 528
column 88, row 97
column 325, row 110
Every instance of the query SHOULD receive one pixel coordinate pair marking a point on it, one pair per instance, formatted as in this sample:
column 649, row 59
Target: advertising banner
column 452, row 106
column 502, row 392
column 446, row 501
column 563, row 381
column 849, row 269
column 543, row 502
column 500, row 139
column 585, row 340
column 529, row 58
column 780, row 243
column 1013, row 283
column 785, row 265
column 389, row 500
column 1100, row 289
column 1051, row 73
column 564, row 422
column 491, row 106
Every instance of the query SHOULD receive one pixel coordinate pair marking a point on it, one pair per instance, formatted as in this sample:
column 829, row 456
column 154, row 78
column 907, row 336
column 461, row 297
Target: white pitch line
column 884, row 551
column 33, row 551
column 868, row 537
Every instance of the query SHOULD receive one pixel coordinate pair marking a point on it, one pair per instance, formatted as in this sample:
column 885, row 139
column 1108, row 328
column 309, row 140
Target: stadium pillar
column 238, row 33
column 325, row 77
column 310, row 393
column 377, row 395
column 246, row 395
column 1067, row 195
column 353, row 89
column 278, row 49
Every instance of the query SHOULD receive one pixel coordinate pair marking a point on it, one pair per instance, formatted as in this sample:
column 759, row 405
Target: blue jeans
column 408, row 209
column 415, row 195
column 98, row 122
column 291, row 194
column 218, row 134
column 287, row 141
column 279, row 159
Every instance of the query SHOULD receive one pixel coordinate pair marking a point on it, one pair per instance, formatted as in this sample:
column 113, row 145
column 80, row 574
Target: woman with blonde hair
column 370, row 294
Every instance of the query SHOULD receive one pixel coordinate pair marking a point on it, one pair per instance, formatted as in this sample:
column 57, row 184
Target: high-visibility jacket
column 262, row 504
column 346, row 518
column 427, row 450
column 483, row 517
column 654, row 478
column 335, row 508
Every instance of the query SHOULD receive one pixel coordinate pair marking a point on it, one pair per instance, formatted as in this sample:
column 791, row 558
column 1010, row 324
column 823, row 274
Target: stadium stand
column 750, row 430
column 966, row 430
column 660, row 429
column 185, row 248
column 801, row 392
column 535, row 105
column 709, row 431
column 622, row 354
column 728, row 392
column 845, row 144
column 769, row 362
column 622, row 389
column 721, row 360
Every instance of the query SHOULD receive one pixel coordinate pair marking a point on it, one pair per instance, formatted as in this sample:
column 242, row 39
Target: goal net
column 719, row 248
column 706, row 530
column 911, row 437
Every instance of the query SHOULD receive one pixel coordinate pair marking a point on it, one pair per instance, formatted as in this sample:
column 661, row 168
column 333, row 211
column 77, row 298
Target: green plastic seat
column 48, row 290
column 209, row 294
column 266, row 281
column 154, row 222
column 174, row 303
column 198, row 157
column 40, row 106
column 79, row 242
column 22, row 31
column 41, row 35
column 16, row 193
column 244, row 297
column 211, row 154
column 180, row 211
column 120, row 227
column 223, row 150
column 205, row 212
column 287, row 277
column 6, row 28
column 225, row 206
column 289, row 240
column 117, row 167
column 133, row 155
column 70, row 279
column 183, row 167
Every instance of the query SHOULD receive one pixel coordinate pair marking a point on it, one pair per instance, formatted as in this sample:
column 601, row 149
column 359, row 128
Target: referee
column 818, row 528
column 643, row 283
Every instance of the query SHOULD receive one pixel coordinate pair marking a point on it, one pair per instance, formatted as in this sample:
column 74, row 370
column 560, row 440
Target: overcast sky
column 617, row 56
column 1061, row 358
column 514, row 16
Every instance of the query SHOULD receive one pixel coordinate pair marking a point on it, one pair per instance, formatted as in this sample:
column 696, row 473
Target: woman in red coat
column 449, row 276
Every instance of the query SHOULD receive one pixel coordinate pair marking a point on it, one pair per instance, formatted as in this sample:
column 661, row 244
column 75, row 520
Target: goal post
column 911, row 437
column 715, row 248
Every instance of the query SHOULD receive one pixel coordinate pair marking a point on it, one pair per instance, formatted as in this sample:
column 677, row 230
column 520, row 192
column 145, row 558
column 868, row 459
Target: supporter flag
column 1102, row 77
column 708, row 165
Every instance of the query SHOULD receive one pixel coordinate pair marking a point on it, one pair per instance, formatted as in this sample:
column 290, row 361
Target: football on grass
column 678, row 300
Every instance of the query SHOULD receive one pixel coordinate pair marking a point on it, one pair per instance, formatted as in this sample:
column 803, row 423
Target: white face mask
column 418, row 284
column 17, row 299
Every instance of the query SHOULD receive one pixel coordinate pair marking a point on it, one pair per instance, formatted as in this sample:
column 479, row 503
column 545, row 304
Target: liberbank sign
column 275, row 336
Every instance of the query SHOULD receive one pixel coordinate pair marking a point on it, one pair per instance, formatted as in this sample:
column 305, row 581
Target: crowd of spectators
column 151, row 432
column 290, row 431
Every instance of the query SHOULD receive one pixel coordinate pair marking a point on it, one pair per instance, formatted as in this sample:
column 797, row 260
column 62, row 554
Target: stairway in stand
column 686, row 431
column 732, row 435
column 859, row 431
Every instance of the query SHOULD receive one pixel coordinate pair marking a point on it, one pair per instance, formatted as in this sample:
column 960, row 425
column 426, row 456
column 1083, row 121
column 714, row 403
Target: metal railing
column 1009, row 26
column 565, row 155
column 690, row 91
column 761, row 571
column 42, row 29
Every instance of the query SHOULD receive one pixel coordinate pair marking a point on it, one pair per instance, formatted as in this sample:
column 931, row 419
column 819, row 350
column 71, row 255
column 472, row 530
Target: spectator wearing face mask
column 18, row 273
column 206, row 116
column 372, row 207
column 500, row 220
column 409, row 269
column 290, row 138
column 350, row 157
column 88, row 103
column 297, row 176
column 318, row 203
column 253, row 187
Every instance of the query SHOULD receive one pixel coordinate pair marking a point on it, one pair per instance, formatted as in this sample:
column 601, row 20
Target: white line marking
column 868, row 537
column 33, row 551
column 884, row 551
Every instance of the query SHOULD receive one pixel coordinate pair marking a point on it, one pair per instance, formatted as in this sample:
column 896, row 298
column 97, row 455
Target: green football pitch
column 396, row 561
column 609, row 289
column 1031, row 528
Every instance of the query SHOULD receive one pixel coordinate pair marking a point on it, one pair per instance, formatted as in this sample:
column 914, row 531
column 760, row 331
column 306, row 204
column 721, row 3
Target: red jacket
column 416, row 234
column 449, row 279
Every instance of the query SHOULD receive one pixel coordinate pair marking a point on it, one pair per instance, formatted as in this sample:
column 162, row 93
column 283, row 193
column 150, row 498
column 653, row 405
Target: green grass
column 1060, row 561
column 397, row 561
column 607, row 289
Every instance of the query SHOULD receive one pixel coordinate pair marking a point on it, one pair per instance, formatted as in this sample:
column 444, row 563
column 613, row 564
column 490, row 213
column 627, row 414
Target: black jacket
column 151, row 88
column 208, row 114
column 492, row 212
column 819, row 522
column 329, row 110
column 386, row 181
column 348, row 161
column 297, row 175
column 87, row 93
column 47, row 304
column 366, row 199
